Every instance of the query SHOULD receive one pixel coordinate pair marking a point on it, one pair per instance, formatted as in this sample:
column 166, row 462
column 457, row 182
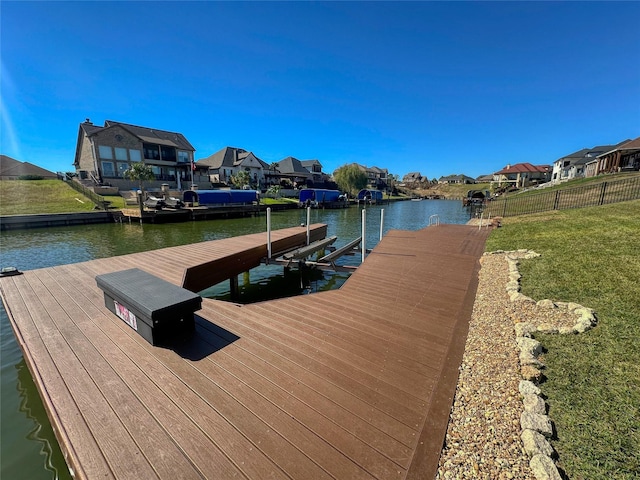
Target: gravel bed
column 483, row 436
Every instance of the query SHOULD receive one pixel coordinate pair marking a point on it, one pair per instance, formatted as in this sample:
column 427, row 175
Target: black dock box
column 155, row 308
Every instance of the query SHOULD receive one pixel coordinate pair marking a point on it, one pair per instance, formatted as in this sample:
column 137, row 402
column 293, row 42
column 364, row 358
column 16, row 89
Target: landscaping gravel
column 483, row 438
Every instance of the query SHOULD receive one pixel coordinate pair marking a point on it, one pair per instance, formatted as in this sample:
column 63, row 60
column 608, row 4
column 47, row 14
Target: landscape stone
column 582, row 325
column 583, row 311
column 534, row 404
column 530, row 372
column 546, row 303
column 535, row 444
column 529, row 345
column 543, row 468
column 571, row 306
column 526, row 387
column 513, row 286
column 526, row 358
column 524, row 329
column 537, row 422
column 547, row 328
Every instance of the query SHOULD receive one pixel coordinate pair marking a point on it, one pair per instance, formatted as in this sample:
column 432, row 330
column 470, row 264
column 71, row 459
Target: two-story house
column 104, row 153
column 412, row 178
column 228, row 161
column 622, row 157
column 315, row 168
column 377, row 178
column 577, row 164
column 293, row 169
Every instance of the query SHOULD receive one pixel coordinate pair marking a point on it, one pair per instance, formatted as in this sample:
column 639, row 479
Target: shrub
column 30, row 177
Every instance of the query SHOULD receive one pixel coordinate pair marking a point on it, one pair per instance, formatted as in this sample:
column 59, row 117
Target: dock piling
column 364, row 233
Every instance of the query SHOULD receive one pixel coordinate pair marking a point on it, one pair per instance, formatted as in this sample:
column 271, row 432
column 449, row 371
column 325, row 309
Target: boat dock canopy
column 371, row 195
column 219, row 197
column 319, row 195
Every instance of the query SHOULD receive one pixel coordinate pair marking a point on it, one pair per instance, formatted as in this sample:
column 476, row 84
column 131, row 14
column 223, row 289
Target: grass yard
column 277, row 201
column 590, row 256
column 23, row 197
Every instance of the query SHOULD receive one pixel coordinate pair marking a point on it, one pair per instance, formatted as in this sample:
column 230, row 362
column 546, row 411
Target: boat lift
column 327, row 262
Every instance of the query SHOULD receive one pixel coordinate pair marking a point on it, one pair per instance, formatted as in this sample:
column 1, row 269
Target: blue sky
column 436, row 87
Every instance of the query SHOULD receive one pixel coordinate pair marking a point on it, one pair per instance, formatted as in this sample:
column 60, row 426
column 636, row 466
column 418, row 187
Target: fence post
column 556, row 202
column 602, row 192
column 504, row 210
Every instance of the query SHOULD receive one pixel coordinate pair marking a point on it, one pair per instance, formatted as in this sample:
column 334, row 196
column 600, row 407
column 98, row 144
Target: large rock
column 524, row 329
column 527, row 358
column 537, row 422
column 526, row 387
column 543, row 468
column 546, row 303
column 534, row 404
column 582, row 325
column 529, row 345
column 535, row 444
column 530, row 372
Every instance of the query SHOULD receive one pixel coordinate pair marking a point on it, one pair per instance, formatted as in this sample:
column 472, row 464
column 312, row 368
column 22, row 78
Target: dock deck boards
column 351, row 383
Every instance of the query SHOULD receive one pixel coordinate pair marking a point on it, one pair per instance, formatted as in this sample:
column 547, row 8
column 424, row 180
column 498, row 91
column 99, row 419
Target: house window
column 108, row 170
column 121, row 168
column 134, row 155
column 105, row 152
column 121, row 153
column 168, row 153
column 151, row 152
column 183, row 157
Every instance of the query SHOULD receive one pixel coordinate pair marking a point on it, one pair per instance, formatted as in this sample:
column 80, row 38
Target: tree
column 241, row 179
column 350, row 179
column 140, row 172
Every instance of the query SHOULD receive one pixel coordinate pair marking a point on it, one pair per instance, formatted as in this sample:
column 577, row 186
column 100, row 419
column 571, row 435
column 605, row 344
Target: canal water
column 29, row 449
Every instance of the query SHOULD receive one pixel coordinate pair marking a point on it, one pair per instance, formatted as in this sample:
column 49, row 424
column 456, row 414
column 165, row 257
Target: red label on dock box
column 128, row 317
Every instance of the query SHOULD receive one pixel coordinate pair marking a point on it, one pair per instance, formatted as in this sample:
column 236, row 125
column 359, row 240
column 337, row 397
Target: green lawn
column 590, row 256
column 277, row 201
column 22, row 197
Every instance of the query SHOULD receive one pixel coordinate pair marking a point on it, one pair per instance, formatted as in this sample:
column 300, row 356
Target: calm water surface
column 29, row 449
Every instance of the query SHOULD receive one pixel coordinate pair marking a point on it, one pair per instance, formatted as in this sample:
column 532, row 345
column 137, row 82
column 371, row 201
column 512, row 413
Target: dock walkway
column 355, row 383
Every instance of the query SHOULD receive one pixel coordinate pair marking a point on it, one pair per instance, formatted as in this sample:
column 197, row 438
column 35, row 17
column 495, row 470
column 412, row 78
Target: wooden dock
column 355, row 383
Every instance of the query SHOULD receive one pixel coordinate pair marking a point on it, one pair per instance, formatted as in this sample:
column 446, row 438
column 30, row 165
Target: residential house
column 623, row 157
column 580, row 164
column 104, row 153
column 228, row 161
column 562, row 165
column 412, row 177
column 462, row 179
column 522, row 174
column 315, row 168
column 12, row 169
column 377, row 178
column 484, row 179
column 292, row 169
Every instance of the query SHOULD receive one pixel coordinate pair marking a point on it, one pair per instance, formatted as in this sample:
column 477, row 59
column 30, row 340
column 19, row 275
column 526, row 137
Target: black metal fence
column 576, row 197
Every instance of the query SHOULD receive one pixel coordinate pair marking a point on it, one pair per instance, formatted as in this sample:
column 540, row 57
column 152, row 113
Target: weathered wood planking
column 351, row 383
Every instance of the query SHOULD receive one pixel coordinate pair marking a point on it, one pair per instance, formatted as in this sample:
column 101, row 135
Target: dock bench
column 156, row 309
